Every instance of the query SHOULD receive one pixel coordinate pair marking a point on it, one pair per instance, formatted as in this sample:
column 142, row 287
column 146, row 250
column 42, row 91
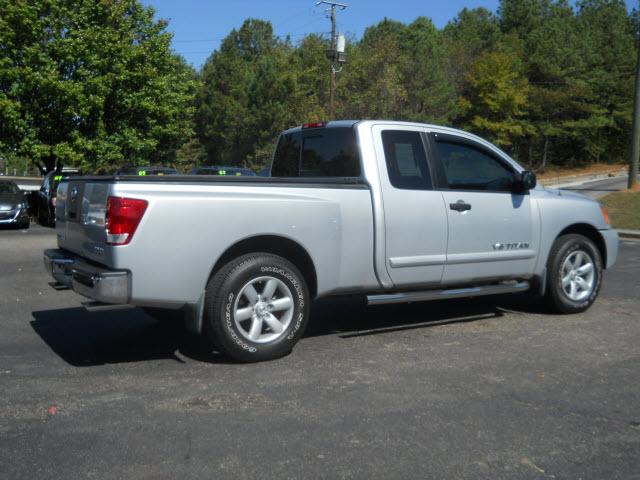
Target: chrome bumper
column 92, row 281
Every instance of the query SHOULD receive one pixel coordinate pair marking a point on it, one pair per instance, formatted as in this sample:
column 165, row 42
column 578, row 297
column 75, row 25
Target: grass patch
column 624, row 209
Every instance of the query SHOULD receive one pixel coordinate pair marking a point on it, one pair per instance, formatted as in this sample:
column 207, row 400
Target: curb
column 629, row 234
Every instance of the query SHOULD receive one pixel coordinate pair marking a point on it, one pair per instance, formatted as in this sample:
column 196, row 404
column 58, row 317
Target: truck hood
column 567, row 194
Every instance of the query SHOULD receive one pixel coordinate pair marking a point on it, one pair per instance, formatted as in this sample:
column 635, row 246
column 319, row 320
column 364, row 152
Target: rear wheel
column 574, row 274
column 256, row 307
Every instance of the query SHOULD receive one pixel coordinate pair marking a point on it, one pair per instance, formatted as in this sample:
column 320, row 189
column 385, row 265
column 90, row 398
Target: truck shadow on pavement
column 350, row 317
column 84, row 339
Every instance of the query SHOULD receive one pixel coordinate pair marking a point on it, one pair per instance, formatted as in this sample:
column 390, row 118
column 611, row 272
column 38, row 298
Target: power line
column 280, row 37
column 334, row 55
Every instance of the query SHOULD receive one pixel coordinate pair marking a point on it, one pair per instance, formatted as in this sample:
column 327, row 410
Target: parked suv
column 47, row 195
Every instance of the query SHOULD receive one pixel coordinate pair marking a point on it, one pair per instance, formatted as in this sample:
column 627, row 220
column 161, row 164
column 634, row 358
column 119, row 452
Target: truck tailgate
column 80, row 219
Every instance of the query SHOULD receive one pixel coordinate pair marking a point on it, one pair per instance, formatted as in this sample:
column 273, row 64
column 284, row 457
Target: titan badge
column 511, row 246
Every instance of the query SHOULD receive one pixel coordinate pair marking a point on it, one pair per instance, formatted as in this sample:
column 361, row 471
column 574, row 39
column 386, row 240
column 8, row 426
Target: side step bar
column 426, row 295
column 105, row 307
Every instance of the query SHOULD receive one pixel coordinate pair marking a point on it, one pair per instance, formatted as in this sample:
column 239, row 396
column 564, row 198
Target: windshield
column 9, row 187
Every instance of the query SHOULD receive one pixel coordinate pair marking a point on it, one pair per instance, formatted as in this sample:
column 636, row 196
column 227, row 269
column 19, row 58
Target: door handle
column 460, row 206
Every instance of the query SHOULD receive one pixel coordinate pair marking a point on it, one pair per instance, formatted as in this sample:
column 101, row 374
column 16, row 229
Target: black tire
column 44, row 218
column 40, row 216
column 556, row 296
column 224, row 295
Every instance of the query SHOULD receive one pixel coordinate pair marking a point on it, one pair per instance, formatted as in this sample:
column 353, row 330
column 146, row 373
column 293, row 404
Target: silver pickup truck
column 393, row 211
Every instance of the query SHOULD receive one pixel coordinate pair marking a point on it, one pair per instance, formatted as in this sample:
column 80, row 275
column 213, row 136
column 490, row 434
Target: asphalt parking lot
column 486, row 388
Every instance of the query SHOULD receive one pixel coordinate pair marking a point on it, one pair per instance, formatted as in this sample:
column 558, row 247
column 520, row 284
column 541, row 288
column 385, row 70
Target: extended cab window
column 469, row 168
column 406, row 160
column 318, row 152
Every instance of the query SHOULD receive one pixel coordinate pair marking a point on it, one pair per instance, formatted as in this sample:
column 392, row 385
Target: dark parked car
column 14, row 208
column 228, row 171
column 143, row 171
column 46, row 209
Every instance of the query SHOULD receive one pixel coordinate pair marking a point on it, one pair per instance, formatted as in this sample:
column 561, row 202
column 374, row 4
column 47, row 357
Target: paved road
column 600, row 188
column 484, row 388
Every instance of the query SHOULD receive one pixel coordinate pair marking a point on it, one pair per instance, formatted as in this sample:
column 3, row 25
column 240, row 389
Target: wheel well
column 276, row 245
column 592, row 234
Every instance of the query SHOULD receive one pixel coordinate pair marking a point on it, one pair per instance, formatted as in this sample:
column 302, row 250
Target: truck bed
column 191, row 221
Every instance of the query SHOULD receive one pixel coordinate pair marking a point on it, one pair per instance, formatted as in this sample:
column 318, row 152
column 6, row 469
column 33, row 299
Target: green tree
column 91, row 84
column 466, row 37
column 372, row 85
column 424, row 65
column 312, row 68
column 496, row 98
column 608, row 44
column 246, row 94
column 191, row 154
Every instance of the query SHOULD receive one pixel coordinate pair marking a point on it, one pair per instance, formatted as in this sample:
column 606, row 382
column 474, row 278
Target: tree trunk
column 545, row 150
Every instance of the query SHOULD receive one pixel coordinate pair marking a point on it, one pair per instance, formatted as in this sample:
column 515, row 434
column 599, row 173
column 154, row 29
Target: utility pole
column 635, row 144
column 335, row 53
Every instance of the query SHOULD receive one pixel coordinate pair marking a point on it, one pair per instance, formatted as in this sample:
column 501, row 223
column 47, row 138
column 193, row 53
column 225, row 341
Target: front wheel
column 574, row 274
column 256, row 307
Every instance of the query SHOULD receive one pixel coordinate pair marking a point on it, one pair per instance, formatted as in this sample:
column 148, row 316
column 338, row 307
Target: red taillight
column 122, row 219
column 314, row 125
column 54, row 201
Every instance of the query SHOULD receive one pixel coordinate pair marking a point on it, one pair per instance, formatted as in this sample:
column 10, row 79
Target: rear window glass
column 286, row 160
column 322, row 152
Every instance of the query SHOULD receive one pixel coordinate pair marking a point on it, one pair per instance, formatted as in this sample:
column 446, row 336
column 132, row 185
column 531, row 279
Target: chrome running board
column 426, row 295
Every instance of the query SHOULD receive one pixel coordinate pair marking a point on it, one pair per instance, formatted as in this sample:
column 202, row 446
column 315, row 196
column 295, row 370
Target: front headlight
column 23, row 205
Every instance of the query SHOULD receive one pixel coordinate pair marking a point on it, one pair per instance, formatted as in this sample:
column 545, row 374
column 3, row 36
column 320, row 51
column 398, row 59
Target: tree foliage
column 94, row 83
column 549, row 81
column 90, row 83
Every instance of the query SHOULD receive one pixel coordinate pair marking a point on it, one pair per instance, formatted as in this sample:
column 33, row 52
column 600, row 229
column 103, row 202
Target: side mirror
column 526, row 182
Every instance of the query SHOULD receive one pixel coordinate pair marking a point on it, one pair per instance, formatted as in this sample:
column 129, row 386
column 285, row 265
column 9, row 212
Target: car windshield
column 9, row 187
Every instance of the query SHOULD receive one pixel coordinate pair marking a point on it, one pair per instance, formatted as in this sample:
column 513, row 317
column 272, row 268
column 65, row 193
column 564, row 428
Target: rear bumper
column 93, row 281
column 610, row 238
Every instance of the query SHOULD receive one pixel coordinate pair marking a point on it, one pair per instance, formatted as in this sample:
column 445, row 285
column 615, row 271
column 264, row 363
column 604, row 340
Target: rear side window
column 406, row 160
column 322, row 152
column 469, row 168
